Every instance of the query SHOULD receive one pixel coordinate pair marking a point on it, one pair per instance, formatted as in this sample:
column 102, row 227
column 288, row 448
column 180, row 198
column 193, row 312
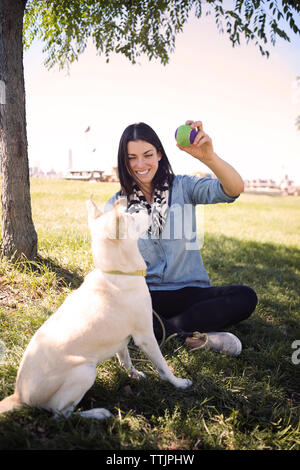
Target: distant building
column 269, row 186
column 288, row 186
column 36, row 172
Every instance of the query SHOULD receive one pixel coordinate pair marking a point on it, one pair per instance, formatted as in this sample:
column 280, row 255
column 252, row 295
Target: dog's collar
column 139, row 272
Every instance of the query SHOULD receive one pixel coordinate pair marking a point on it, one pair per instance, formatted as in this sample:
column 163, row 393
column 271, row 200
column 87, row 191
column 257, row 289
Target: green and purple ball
column 185, row 135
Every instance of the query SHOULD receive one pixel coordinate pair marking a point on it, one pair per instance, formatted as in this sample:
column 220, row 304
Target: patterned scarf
column 158, row 210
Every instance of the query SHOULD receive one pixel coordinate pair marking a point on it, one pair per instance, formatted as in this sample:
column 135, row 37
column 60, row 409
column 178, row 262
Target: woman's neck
column 148, row 196
column 148, row 192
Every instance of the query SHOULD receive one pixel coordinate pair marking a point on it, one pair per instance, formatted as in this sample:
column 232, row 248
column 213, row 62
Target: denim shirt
column 174, row 260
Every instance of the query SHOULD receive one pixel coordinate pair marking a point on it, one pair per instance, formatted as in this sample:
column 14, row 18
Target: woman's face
column 143, row 161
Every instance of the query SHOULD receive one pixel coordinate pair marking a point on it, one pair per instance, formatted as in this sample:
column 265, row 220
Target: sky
column 248, row 104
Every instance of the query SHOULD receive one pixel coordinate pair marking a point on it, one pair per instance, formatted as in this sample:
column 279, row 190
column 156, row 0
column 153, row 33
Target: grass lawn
column 249, row 402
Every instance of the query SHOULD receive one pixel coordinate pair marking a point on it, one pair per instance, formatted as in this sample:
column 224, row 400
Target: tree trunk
column 18, row 233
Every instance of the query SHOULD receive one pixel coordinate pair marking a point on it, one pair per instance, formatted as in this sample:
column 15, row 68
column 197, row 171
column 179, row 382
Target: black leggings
column 206, row 309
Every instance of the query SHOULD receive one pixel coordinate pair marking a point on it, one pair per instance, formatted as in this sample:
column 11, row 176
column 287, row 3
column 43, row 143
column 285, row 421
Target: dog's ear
column 120, row 207
column 93, row 211
column 117, row 207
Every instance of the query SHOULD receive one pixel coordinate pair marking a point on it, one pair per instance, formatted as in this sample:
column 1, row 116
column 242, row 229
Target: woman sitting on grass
column 178, row 282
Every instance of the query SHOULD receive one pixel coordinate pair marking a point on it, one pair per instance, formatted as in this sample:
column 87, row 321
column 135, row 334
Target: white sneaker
column 224, row 341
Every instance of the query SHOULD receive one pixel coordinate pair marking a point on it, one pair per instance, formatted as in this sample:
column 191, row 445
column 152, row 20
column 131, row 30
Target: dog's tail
column 9, row 403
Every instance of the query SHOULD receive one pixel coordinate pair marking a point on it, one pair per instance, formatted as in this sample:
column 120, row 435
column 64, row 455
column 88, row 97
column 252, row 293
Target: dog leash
column 196, row 334
column 164, row 340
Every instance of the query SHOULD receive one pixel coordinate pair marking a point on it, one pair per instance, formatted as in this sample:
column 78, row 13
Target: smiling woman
column 140, row 155
column 176, row 277
column 143, row 162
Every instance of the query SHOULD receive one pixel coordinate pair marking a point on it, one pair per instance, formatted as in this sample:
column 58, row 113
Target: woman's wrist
column 209, row 160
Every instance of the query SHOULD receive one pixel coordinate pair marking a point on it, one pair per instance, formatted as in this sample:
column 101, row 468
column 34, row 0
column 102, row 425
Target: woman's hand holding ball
column 192, row 139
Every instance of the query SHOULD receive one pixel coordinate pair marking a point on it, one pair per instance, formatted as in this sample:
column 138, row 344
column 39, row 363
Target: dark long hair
column 142, row 131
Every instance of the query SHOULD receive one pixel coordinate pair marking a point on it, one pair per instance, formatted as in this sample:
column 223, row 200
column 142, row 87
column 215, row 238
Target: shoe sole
column 238, row 345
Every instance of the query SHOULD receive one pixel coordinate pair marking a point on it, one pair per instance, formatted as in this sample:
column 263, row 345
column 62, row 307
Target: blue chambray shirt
column 174, row 260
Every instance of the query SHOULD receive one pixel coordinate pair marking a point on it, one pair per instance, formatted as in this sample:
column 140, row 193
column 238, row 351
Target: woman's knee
column 249, row 300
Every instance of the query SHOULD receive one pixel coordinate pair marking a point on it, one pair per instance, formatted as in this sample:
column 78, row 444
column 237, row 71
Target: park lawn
column 249, row 402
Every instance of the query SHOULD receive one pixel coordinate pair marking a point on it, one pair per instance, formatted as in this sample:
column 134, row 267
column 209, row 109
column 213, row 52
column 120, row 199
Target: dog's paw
column 182, row 383
column 96, row 413
column 137, row 374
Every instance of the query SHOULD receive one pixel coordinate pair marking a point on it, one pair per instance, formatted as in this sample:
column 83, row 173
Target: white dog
column 95, row 322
